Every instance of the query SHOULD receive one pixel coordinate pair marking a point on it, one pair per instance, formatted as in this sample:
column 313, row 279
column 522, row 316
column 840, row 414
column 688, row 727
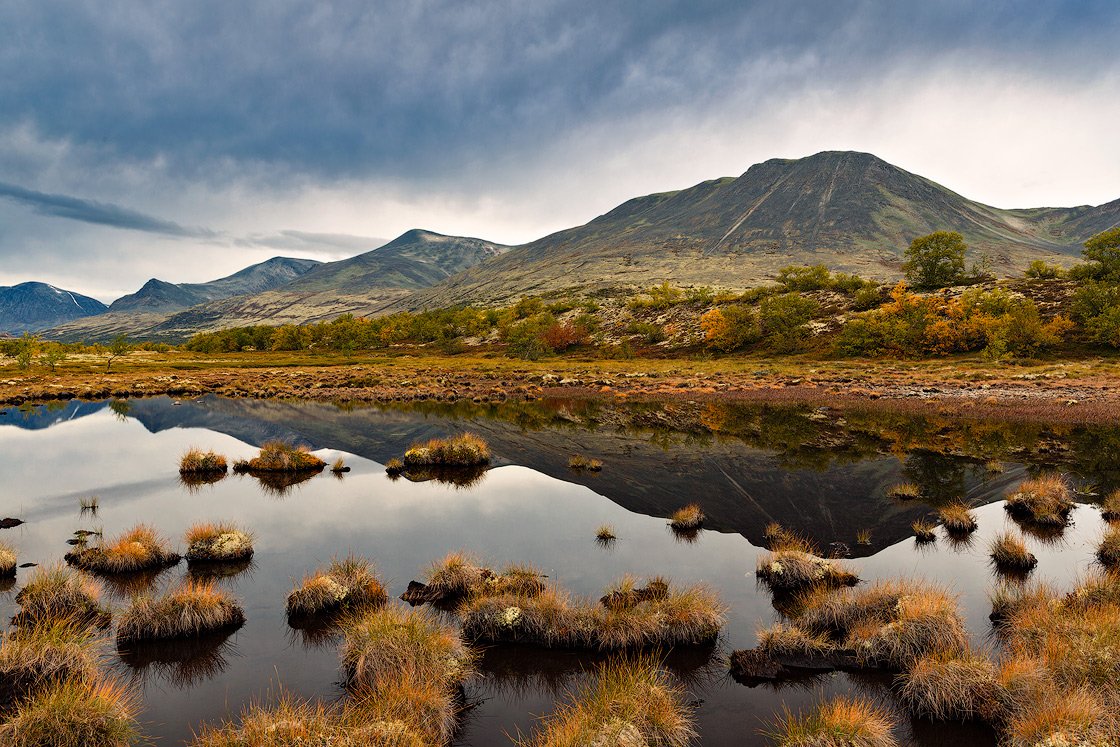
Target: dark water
column 813, row 472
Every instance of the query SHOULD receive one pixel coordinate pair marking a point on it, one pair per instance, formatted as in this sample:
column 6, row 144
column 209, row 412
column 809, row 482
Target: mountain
column 851, row 211
column 158, row 295
column 29, row 307
column 359, row 285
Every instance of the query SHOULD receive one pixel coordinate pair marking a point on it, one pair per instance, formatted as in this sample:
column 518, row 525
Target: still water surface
column 528, row 509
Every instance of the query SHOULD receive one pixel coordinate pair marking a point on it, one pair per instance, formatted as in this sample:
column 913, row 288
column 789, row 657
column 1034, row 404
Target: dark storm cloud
column 417, row 89
column 99, row 213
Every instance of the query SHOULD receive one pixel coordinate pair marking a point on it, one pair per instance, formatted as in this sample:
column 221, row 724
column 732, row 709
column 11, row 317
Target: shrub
column 345, row 584
column 730, row 328
column 936, row 260
column 804, row 277
column 841, row 722
column 1040, row 270
column 186, row 612
column 57, row 593
column 628, row 702
column 74, row 713
column 463, row 450
column 651, row 333
column 209, row 541
column 197, row 461
column 277, row 456
column 1043, row 500
column 782, row 320
column 139, row 549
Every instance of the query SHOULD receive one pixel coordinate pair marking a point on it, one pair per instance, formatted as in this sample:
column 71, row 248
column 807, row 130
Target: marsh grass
column 394, row 467
column 630, row 701
column 346, row 584
column 840, row 722
column 863, row 537
column 199, row 462
column 793, row 570
column 339, row 466
column 8, row 560
column 688, row 518
column 957, row 519
column 139, row 549
column 89, row 505
column 904, row 491
column 1045, row 500
column 218, row 541
column 37, row 656
column 1108, row 551
column 582, row 463
column 1110, row 507
column 605, row 534
column 74, row 713
column 191, row 610
column 58, row 593
column 924, row 531
column 951, row 686
column 1010, row 554
column 462, row 450
column 278, row 456
column 779, row 538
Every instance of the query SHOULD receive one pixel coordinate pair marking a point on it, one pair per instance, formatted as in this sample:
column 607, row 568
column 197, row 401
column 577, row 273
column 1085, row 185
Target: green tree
column 783, row 320
column 936, row 260
column 53, row 354
column 25, row 350
column 1103, row 250
column 120, row 346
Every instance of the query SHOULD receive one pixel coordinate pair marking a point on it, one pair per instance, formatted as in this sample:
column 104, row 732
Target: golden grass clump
column 904, row 491
column 74, row 713
column 686, row 519
column 1108, row 551
column 7, row 560
column 579, row 462
column 394, row 467
column 339, row 466
column 1044, row 500
column 605, row 534
column 34, row 657
column 924, row 531
column 380, row 645
column 199, row 462
column 344, row 585
column 1068, row 717
column 795, row 570
column 57, row 593
column 957, row 519
column 189, row 611
column 210, row 541
column 462, row 450
column 139, row 549
column 951, row 686
column 1110, row 507
column 277, row 456
column 840, row 722
column 629, row 702
column 1010, row 553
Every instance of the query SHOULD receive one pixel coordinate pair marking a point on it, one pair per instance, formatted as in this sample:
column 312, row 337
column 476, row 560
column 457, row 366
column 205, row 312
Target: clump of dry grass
column 1044, row 500
column 794, row 570
column 957, row 519
column 1108, row 551
column 924, row 531
column 344, row 585
column 904, row 491
column 689, row 518
column 1110, row 507
column 394, row 467
column 1070, row 717
column 463, row 450
column 186, row 612
column 1010, row 554
column 994, row 467
column 863, row 537
column 7, row 560
column 339, row 466
column 840, row 722
column 579, row 462
column 629, row 702
column 459, row 576
column 58, row 593
column 605, row 534
column 74, row 713
column 218, row 541
column 277, row 456
column 139, row 549
column 951, row 686
column 37, row 656
column 199, row 462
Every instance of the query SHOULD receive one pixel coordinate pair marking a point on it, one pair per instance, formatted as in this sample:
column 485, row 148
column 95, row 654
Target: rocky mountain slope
column 34, row 306
column 851, row 211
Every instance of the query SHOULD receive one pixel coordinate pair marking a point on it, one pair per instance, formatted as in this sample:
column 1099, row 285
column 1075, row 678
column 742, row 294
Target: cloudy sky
column 186, row 139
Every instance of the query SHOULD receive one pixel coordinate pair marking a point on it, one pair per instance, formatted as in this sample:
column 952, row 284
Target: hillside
column 28, row 307
column 851, row 211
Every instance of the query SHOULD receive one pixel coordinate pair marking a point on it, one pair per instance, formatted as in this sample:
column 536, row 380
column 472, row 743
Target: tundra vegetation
column 218, row 541
column 55, row 593
column 278, row 456
column 139, row 549
column 462, row 450
column 189, row 611
column 198, row 462
column 345, row 585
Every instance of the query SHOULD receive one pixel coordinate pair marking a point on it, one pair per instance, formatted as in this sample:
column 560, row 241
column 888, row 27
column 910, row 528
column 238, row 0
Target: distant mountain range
column 850, row 211
column 33, row 306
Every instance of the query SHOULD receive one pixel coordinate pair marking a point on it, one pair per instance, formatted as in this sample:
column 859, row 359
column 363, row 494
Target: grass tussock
column 277, row 456
column 462, row 450
column 58, row 593
column 74, row 713
column 628, row 702
column 1045, row 500
column 1110, row 507
column 778, row 537
column 957, row 519
column 605, row 534
column 688, row 518
column 1010, row 554
column 339, row 466
column 346, row 584
column 189, row 611
column 8, row 560
column 582, row 463
column 394, row 467
column 951, row 686
column 664, row 618
column 924, row 531
column 904, row 491
column 139, row 549
column 38, row 656
column 1108, row 551
column 199, row 462
column 840, row 722
column 459, row 576
column 795, row 570
column 218, row 541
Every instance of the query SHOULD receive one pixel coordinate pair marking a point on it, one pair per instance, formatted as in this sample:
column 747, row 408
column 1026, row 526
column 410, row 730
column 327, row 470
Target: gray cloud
column 324, row 243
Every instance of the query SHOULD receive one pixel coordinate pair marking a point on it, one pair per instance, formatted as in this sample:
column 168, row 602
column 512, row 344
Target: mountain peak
column 33, row 305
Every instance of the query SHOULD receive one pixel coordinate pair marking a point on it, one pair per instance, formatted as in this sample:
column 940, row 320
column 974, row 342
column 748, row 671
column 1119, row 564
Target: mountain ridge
column 32, row 306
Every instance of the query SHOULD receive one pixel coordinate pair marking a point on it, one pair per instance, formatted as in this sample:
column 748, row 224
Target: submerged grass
column 463, row 450
column 139, row 549
column 346, row 584
column 191, row 610
column 218, row 541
